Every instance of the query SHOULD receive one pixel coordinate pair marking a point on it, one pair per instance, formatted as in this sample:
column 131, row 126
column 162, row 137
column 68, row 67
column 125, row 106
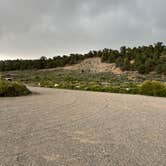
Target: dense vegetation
column 11, row 89
column 143, row 59
column 153, row 88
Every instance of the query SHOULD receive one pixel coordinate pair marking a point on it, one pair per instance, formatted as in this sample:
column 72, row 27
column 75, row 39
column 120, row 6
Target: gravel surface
column 77, row 128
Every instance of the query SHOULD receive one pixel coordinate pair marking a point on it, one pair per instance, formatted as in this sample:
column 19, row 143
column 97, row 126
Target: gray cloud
column 32, row 28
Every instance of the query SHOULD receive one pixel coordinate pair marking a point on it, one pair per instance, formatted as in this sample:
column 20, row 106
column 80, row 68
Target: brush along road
column 77, row 128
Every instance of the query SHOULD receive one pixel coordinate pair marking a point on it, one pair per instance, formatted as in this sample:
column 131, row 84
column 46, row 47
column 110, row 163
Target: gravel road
column 77, row 128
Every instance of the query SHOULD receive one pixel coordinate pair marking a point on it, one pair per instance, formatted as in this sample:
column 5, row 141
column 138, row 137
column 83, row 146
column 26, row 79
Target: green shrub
column 153, row 88
column 11, row 89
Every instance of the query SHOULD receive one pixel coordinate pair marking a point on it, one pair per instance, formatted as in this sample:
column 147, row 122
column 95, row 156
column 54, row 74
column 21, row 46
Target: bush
column 153, row 88
column 11, row 89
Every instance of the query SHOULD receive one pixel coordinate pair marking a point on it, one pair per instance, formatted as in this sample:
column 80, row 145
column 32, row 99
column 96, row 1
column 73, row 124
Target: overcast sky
column 35, row 28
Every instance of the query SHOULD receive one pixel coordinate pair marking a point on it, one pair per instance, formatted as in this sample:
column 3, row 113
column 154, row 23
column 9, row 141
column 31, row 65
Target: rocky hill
column 94, row 65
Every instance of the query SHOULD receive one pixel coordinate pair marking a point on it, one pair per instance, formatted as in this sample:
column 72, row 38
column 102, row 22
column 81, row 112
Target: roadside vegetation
column 153, row 88
column 101, row 82
column 11, row 89
column 150, row 88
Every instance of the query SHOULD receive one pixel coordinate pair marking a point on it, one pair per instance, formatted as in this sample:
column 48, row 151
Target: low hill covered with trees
column 143, row 59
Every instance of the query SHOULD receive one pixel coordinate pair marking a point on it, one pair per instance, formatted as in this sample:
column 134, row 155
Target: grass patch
column 150, row 88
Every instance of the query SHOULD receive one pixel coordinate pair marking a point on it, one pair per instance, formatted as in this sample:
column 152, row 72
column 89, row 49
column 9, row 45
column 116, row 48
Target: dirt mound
column 94, row 65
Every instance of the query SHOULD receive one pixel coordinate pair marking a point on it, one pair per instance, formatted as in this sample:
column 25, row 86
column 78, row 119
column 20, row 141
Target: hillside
column 144, row 60
column 94, row 65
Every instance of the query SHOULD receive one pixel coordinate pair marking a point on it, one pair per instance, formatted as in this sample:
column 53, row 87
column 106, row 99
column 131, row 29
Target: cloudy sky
column 35, row 28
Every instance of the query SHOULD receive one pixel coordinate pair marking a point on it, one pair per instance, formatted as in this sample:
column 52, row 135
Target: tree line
column 144, row 59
